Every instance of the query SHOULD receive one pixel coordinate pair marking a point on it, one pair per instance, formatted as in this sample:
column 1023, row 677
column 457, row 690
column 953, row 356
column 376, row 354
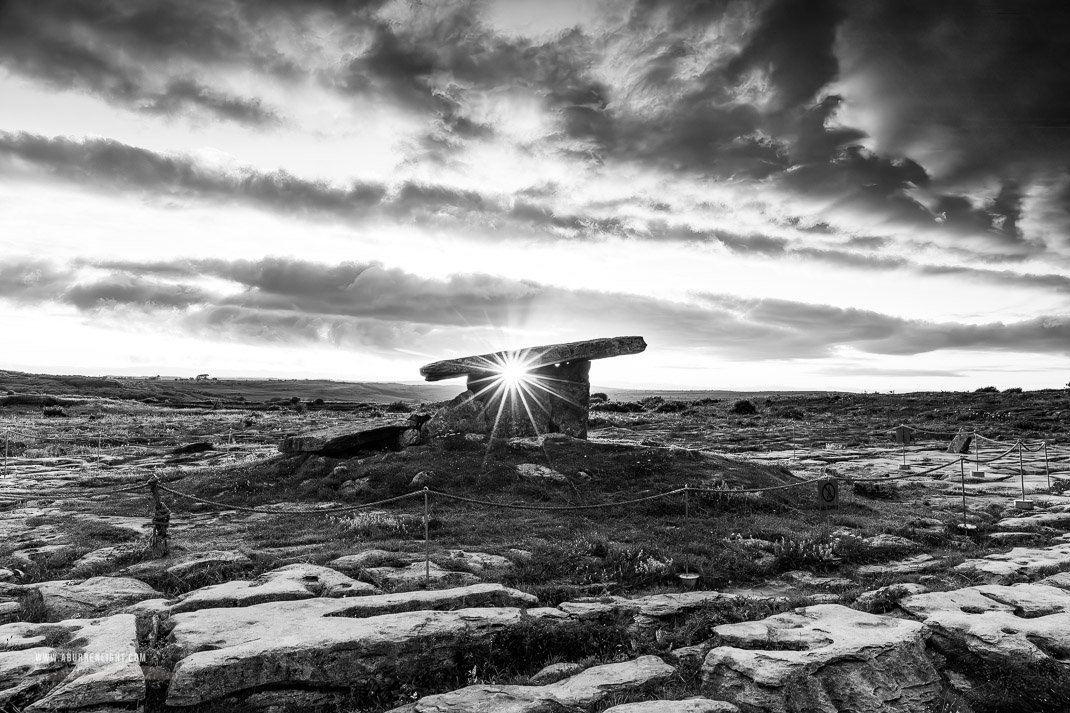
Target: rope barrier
column 278, row 511
column 595, row 506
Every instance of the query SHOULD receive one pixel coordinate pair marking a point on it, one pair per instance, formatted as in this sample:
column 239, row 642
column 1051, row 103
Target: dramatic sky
column 856, row 195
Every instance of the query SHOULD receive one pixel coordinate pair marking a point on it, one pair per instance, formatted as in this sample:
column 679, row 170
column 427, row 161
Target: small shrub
column 53, row 412
column 743, row 407
column 295, row 400
column 398, row 407
column 986, row 390
column 671, row 407
column 1013, row 390
column 650, row 403
column 618, row 407
column 599, row 396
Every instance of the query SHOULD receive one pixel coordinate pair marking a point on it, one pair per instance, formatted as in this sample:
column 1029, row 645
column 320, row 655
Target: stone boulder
column 345, row 441
column 97, row 665
column 823, row 659
column 463, row 414
column 555, row 672
column 581, row 691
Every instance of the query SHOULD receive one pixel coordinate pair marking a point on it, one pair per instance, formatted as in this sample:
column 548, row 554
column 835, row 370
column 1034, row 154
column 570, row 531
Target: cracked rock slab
column 98, row 664
column 1019, row 562
column 577, row 692
column 331, row 642
column 688, row 705
column 93, row 597
column 1023, row 622
column 823, row 659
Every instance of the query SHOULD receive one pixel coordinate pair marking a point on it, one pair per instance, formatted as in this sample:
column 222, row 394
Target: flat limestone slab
column 1019, row 562
column 376, row 434
column 534, row 357
column 824, row 658
column 97, row 666
column 578, row 692
column 1024, row 622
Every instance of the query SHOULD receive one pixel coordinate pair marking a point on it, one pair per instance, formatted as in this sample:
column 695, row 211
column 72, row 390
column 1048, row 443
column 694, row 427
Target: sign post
column 903, row 436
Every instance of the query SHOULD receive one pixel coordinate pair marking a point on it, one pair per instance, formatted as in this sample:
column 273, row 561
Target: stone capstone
column 822, row 659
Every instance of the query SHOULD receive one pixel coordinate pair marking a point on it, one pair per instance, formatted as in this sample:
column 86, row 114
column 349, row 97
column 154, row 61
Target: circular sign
column 829, row 491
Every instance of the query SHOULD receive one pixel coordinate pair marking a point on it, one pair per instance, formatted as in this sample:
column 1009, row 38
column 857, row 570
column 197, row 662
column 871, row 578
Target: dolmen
column 524, row 392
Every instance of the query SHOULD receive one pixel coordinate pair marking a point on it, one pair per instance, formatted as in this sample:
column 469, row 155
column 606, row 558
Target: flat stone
column 555, row 672
column 305, row 644
column 687, row 705
column 823, row 659
column 33, row 555
column 1011, row 538
column 360, row 561
column 416, row 574
column 106, row 557
column 9, row 612
column 802, row 577
column 193, row 565
column 910, row 565
column 533, row 470
column 6, row 575
column 581, row 691
column 292, row 582
column 1058, row 520
column 345, row 441
column 884, row 598
column 533, row 357
column 1019, row 562
column 1024, row 622
column 93, row 597
column 98, row 665
column 477, row 561
column 890, row 544
column 1060, row 580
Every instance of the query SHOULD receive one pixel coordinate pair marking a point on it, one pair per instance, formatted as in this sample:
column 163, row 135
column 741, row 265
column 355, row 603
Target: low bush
column 743, row 407
column 398, row 407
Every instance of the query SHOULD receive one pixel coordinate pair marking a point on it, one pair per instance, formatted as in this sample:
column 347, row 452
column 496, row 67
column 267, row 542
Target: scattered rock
column 33, row 555
column 352, row 488
column 1059, row 520
column 1011, row 538
column 354, row 564
column 198, row 447
column 415, row 575
column 1061, row 580
column 823, row 659
column 687, row 705
column 422, row 479
column 93, row 597
column 9, row 612
column 6, row 575
column 885, row 598
column 581, row 691
column 802, row 577
column 890, row 544
column 910, row 565
column 555, row 672
column 107, row 557
column 478, row 561
column 533, row 470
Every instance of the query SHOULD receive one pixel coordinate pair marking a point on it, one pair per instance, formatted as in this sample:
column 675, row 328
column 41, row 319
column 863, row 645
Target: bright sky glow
column 774, row 196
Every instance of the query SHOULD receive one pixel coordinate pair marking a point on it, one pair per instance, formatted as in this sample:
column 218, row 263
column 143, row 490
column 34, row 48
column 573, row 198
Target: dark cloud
column 794, row 44
column 108, row 163
column 989, row 81
column 124, row 52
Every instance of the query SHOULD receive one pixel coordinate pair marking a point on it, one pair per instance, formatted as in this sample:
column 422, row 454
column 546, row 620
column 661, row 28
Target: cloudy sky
column 774, row 193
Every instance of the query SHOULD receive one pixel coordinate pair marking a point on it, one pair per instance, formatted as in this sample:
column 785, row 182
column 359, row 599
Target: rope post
column 1024, row 503
column 1047, row 473
column 793, row 446
column 962, row 477
column 427, row 546
column 6, row 437
column 687, row 501
column 161, row 519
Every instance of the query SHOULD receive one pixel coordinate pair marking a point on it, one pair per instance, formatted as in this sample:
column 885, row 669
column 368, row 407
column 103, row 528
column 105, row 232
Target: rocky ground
column 276, row 597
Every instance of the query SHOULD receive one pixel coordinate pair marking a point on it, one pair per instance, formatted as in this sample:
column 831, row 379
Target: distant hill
column 178, row 390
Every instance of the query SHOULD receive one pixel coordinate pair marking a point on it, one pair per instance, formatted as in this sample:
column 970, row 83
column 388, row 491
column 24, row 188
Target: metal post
column 427, row 547
column 1047, row 473
column 793, row 457
column 1021, row 470
column 962, row 477
column 6, row 436
column 687, row 502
